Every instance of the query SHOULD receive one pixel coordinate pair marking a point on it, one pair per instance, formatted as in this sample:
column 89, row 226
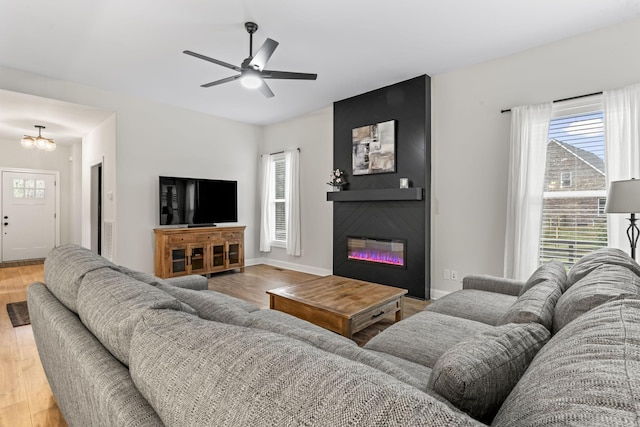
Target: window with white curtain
column 575, row 183
column 278, row 202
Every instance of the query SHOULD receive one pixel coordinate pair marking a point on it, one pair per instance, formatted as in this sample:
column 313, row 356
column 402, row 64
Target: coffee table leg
column 400, row 312
column 346, row 328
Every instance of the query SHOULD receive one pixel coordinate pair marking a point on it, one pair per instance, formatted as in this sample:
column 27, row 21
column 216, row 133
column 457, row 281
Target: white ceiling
column 64, row 122
column 135, row 47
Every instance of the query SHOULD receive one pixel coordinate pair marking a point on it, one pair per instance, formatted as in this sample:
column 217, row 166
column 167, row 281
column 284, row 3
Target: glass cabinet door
column 217, row 256
column 234, row 254
column 197, row 255
column 178, row 260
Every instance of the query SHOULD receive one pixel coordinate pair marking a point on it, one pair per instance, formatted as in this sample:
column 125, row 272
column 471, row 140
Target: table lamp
column 624, row 197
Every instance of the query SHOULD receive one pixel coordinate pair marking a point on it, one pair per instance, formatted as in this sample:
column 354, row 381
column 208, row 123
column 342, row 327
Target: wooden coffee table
column 339, row 304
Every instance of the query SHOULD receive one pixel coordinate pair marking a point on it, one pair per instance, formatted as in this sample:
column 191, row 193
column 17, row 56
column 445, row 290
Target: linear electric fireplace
column 379, row 251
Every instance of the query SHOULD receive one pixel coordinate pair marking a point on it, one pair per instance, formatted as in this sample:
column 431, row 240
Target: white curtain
column 528, row 151
column 292, row 191
column 265, row 209
column 622, row 145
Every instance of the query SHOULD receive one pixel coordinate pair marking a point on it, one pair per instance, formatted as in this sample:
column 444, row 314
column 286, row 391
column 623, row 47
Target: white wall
column 175, row 142
column 99, row 146
column 75, row 191
column 471, row 138
column 14, row 156
column 153, row 139
column 313, row 134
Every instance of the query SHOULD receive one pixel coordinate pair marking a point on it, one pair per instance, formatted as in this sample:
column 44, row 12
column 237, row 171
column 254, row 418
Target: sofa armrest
column 496, row 284
column 192, row 281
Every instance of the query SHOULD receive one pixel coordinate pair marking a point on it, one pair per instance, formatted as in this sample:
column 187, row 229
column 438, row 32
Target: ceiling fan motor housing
column 251, row 27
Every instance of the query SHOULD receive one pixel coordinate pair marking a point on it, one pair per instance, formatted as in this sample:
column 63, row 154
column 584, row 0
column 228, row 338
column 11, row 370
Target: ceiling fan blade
column 263, row 54
column 266, row 90
column 215, row 61
column 270, row 74
column 219, row 82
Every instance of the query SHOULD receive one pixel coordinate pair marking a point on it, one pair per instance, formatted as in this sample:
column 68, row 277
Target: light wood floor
column 25, row 396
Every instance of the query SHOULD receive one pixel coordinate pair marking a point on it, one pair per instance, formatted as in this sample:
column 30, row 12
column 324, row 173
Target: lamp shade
column 623, row 197
column 27, row 142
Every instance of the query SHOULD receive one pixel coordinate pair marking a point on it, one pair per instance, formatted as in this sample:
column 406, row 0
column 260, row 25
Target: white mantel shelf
column 385, row 194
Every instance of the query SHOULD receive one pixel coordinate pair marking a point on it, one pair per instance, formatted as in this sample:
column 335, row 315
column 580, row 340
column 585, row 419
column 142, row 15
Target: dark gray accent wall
column 409, row 103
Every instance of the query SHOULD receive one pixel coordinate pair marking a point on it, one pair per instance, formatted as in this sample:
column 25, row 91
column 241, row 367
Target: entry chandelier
column 39, row 141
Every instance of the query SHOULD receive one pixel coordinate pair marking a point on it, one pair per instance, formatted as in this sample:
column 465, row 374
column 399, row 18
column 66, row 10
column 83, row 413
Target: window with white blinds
column 279, row 200
column 573, row 221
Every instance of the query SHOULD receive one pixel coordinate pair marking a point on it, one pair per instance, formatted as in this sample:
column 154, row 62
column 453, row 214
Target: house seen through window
column 573, row 220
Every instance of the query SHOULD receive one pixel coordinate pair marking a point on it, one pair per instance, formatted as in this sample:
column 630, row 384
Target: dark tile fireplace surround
column 381, row 232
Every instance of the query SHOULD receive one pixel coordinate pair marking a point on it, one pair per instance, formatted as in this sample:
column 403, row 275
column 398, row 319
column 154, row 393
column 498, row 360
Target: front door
column 28, row 215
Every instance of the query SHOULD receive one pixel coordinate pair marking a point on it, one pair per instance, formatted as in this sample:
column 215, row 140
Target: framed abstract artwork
column 374, row 148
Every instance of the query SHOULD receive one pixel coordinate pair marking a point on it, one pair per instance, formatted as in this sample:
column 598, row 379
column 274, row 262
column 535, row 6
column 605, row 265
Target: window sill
column 279, row 244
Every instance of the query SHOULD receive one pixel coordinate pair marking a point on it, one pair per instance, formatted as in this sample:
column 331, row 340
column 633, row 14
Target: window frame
column 573, row 108
column 275, row 159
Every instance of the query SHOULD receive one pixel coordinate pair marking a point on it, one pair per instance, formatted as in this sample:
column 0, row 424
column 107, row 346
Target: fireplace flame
column 377, row 256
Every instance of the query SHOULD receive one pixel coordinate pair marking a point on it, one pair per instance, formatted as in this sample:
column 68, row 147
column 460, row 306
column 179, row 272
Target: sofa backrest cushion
column 196, row 372
column 140, row 276
column 211, row 305
column 64, row 269
column 586, row 375
column 191, row 281
column 477, row 374
column 554, row 271
column 601, row 285
column 609, row 256
column 535, row 305
column 110, row 304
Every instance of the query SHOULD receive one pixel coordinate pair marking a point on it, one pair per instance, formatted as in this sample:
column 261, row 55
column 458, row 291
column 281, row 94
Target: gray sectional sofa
column 123, row 348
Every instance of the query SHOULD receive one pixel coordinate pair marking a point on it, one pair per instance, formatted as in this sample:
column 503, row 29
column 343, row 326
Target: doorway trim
column 96, row 213
column 57, row 191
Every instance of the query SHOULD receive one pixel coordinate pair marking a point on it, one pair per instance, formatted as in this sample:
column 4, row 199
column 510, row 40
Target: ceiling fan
column 252, row 72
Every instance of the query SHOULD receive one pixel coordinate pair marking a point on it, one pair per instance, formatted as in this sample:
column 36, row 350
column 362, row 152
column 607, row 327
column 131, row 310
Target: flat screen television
column 197, row 202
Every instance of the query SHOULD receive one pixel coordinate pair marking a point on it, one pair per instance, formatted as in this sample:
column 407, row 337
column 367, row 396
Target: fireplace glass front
column 380, row 251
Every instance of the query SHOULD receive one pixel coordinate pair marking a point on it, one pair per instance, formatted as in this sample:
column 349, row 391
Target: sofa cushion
column 210, row 305
column 554, row 271
column 595, row 259
column 64, row 269
column 425, row 336
column 535, row 305
column 279, row 322
column 473, row 304
column 601, row 285
column 191, row 281
column 495, row 284
column 290, row 326
column 195, row 372
column 110, row 304
column 586, row 375
column 419, row 372
column 477, row 374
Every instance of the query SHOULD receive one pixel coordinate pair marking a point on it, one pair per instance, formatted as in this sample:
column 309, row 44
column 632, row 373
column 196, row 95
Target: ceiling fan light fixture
column 251, row 81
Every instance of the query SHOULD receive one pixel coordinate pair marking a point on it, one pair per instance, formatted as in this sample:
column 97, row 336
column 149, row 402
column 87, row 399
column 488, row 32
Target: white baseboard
column 253, row 261
column 289, row 266
column 437, row 293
